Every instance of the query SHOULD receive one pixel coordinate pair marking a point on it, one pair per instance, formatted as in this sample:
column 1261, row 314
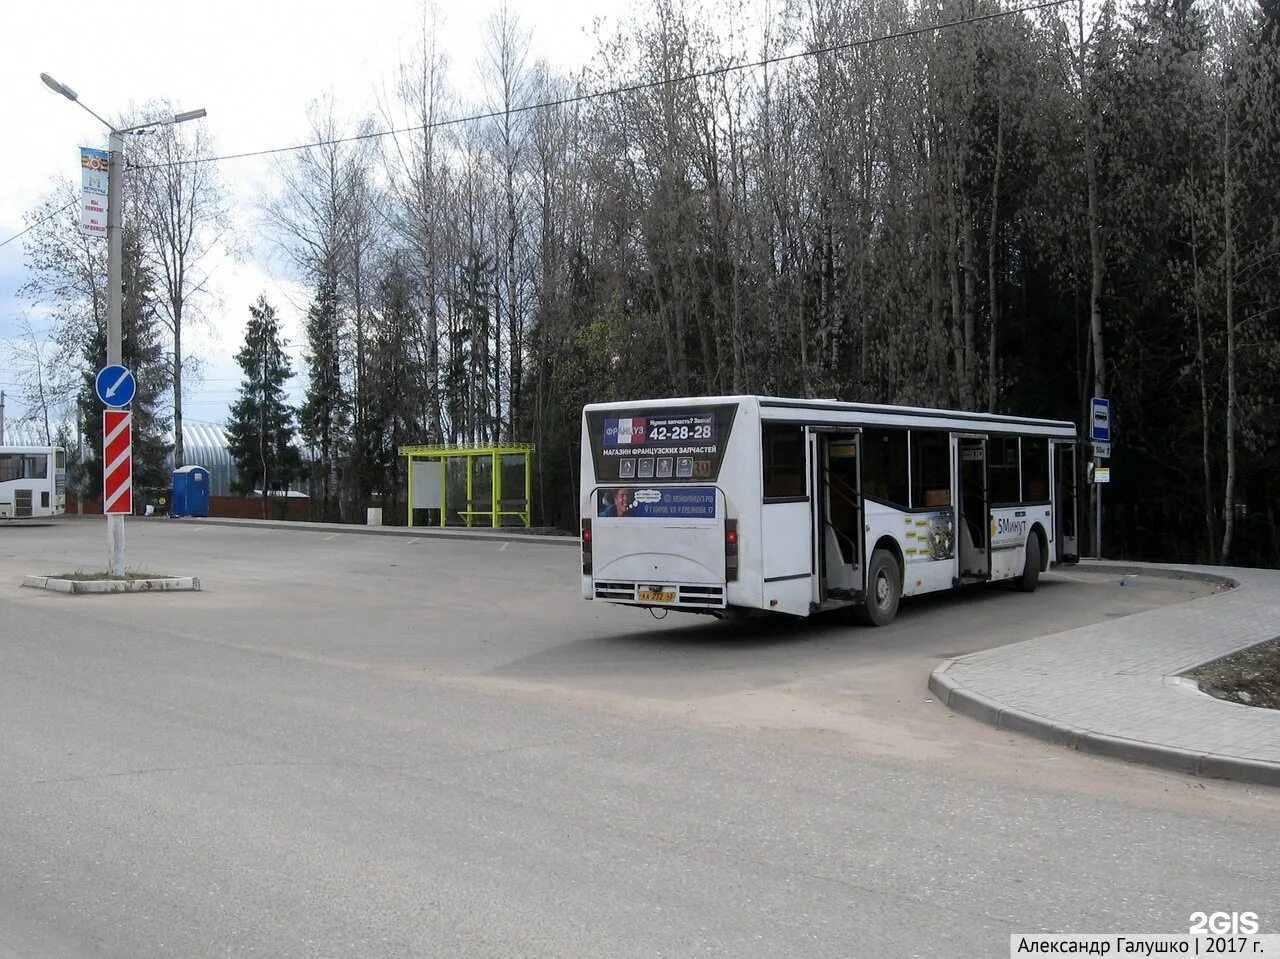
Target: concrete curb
column 167, row 584
column 417, row 532
column 1159, row 571
column 979, row 707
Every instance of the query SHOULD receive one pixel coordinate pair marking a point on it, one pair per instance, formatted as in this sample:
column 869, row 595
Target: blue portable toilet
column 190, row 491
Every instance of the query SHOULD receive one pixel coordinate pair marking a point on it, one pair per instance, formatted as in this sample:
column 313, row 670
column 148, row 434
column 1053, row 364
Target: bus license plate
column 657, row 596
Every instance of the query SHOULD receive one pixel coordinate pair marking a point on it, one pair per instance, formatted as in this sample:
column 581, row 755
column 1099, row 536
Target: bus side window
column 1035, row 470
column 884, row 466
column 783, row 458
column 35, row 467
column 1003, row 466
column 10, row 467
column 930, row 469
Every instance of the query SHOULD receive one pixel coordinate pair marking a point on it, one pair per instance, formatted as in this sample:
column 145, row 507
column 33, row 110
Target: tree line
column 1010, row 213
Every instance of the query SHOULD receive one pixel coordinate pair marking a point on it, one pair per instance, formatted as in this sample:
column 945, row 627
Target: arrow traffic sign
column 117, row 455
column 115, row 385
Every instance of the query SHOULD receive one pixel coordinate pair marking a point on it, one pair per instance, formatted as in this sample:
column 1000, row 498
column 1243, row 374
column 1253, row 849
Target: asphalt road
column 363, row 746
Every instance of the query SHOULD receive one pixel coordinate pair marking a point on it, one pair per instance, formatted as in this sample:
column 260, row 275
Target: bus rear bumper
column 686, row 596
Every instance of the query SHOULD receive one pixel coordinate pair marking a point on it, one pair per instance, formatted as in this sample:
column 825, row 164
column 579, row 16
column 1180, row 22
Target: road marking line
column 504, row 546
column 412, row 541
column 331, row 536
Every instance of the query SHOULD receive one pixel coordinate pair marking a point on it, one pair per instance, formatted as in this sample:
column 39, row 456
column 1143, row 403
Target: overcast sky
column 254, row 65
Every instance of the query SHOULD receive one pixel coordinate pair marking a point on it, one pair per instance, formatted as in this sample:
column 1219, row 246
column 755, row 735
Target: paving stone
column 1108, row 688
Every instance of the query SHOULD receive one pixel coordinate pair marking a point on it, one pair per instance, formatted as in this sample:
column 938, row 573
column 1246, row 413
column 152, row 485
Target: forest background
column 956, row 204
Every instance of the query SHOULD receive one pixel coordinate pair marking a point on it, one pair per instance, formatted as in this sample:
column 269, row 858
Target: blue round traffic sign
column 115, row 385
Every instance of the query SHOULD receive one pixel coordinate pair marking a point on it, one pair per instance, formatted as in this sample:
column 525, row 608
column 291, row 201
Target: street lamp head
column 151, row 125
column 57, row 87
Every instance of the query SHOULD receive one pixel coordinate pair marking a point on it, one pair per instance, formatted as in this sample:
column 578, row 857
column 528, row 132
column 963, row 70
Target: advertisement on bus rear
column 660, row 446
column 693, row 502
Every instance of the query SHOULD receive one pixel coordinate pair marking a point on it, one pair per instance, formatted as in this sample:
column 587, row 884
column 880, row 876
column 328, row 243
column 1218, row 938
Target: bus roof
column 837, row 412
column 29, row 449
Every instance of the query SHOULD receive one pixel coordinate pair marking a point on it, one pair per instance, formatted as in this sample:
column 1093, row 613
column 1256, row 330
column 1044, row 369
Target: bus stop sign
column 1100, row 421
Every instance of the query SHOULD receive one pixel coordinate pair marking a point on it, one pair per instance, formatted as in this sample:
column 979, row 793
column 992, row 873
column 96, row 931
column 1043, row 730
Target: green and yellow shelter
column 467, row 484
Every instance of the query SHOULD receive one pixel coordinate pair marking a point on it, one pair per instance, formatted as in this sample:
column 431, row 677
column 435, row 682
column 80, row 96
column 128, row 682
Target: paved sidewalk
column 1113, row 688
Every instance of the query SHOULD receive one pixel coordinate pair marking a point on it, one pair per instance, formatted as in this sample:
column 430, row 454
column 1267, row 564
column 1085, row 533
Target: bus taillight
column 586, row 547
column 730, row 550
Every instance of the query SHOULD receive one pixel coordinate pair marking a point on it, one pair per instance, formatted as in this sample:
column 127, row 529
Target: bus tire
column 1030, row 577
column 884, row 590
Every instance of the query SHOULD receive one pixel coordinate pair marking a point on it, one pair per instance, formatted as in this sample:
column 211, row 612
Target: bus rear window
column 659, row 445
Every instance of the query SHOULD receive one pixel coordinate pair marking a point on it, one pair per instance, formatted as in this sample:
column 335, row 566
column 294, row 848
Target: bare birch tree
column 183, row 221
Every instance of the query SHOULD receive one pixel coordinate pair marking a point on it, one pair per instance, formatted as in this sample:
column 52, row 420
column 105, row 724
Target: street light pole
column 115, row 271
column 115, row 332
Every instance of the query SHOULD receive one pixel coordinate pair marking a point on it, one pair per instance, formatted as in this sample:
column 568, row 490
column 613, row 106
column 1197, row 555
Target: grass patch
column 95, row 577
column 1251, row 676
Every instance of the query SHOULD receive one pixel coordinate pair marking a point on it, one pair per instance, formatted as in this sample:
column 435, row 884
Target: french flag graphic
column 624, row 432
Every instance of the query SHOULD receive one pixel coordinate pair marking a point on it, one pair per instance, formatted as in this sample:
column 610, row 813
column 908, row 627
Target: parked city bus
column 33, row 481
column 715, row 504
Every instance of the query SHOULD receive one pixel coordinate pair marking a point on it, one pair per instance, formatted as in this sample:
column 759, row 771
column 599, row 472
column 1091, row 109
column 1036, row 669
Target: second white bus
column 714, row 504
column 33, row 481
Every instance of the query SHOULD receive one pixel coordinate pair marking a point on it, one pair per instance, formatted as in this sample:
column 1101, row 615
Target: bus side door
column 786, row 519
column 839, row 536
column 1064, row 502
column 972, row 529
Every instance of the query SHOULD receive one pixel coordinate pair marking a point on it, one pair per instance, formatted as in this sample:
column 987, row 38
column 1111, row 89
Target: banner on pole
column 117, row 458
column 94, row 177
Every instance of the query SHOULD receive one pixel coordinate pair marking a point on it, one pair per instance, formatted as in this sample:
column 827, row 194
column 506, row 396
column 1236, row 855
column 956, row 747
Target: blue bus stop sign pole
column 1100, row 432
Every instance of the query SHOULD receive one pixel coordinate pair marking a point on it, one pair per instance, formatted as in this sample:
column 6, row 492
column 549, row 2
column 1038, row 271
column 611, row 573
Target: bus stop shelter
column 469, row 485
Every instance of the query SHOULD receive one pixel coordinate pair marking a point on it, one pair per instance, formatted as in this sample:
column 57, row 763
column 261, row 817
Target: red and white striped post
column 117, row 477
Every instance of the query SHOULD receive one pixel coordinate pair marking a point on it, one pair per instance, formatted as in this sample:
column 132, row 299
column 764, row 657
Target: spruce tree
column 326, row 414
column 261, row 429
column 142, row 352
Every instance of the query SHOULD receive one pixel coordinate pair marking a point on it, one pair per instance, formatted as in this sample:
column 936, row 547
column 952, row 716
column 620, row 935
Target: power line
column 619, row 91
column 43, row 219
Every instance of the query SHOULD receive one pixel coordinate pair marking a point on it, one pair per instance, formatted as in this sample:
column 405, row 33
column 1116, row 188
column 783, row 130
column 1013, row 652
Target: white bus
column 713, row 504
column 33, row 481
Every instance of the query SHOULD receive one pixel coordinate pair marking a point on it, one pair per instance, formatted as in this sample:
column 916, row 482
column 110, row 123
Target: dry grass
column 1251, row 676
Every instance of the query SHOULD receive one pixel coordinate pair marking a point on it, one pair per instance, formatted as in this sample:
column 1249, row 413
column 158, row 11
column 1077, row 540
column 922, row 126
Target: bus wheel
column 1030, row 577
column 884, row 589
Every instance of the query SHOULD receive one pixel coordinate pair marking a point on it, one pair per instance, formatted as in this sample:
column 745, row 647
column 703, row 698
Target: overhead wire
column 622, row 90
column 592, row 95
column 43, row 219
